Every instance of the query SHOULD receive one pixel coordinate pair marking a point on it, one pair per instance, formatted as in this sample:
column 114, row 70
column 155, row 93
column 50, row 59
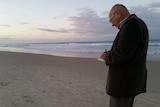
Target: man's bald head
column 118, row 13
column 121, row 9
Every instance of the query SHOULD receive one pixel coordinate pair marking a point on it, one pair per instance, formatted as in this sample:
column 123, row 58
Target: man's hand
column 104, row 55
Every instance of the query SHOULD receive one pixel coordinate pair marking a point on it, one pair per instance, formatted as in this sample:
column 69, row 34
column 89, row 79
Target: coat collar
column 125, row 19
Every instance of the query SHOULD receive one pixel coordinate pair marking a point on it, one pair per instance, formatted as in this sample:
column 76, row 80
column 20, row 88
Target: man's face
column 114, row 19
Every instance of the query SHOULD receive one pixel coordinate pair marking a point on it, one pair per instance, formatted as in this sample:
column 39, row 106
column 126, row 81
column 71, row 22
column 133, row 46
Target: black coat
column 127, row 73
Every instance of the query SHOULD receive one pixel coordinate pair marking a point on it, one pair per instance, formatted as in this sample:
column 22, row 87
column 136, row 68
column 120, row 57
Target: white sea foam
column 88, row 49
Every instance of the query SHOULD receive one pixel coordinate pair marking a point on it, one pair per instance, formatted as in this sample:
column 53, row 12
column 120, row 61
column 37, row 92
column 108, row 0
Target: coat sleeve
column 124, row 47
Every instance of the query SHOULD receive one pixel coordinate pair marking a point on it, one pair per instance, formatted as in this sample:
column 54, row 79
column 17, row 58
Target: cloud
column 24, row 23
column 5, row 40
column 154, row 5
column 6, row 36
column 61, row 16
column 4, row 25
column 151, row 15
column 53, row 30
column 88, row 22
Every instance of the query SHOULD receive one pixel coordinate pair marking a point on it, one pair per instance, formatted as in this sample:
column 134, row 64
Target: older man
column 127, row 73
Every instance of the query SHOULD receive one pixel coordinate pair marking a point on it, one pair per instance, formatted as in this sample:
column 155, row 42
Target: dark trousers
column 121, row 102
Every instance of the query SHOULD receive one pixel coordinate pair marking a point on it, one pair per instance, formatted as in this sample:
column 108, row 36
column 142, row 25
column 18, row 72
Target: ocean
column 74, row 49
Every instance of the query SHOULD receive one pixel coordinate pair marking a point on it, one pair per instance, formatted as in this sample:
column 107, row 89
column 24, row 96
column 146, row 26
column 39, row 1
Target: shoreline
column 155, row 57
column 60, row 54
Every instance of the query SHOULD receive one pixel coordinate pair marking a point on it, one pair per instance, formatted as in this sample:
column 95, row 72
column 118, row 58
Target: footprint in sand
column 2, row 83
column 27, row 99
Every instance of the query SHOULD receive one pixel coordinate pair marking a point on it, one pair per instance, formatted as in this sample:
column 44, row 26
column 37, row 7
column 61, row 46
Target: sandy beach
column 34, row 80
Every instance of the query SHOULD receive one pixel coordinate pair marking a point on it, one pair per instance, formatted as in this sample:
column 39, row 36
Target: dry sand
column 32, row 80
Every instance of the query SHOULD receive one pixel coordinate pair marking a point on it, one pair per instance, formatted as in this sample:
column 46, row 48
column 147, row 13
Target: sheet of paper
column 100, row 59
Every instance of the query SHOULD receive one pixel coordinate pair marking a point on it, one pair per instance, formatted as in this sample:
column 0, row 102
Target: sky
column 69, row 20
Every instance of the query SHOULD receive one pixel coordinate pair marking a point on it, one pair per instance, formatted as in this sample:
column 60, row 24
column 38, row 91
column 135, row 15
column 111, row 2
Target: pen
column 105, row 50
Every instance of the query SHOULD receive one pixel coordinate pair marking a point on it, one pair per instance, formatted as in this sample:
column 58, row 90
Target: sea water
column 76, row 49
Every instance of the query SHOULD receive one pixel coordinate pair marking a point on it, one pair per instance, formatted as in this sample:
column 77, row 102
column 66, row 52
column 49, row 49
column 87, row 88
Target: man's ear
column 119, row 15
